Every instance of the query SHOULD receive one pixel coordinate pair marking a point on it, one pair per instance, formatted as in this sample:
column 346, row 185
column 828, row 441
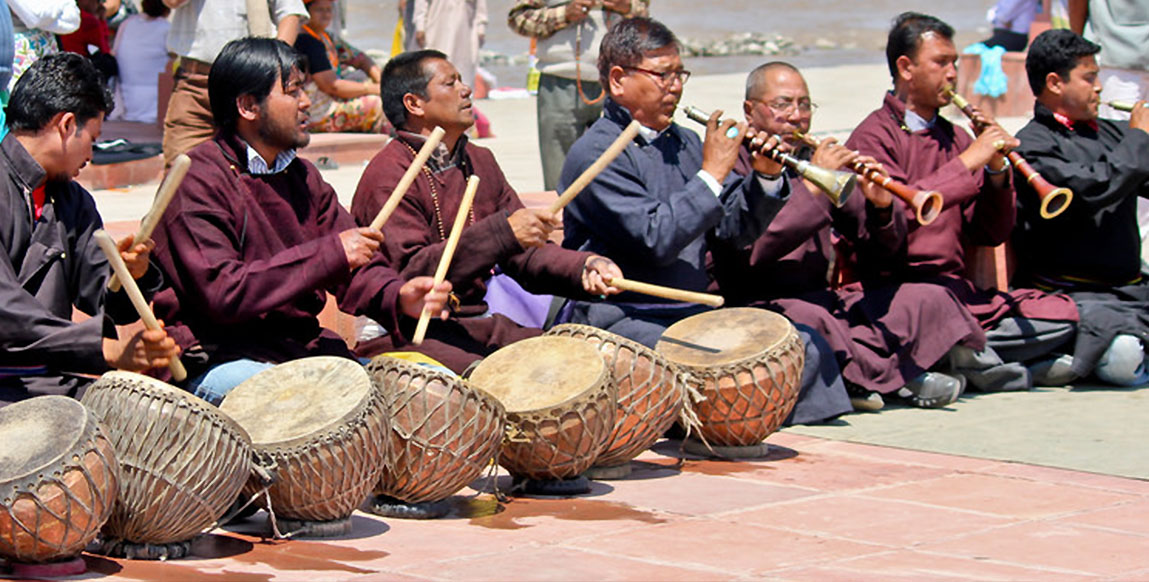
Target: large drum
column 560, row 405
column 321, row 425
column 444, row 431
column 649, row 395
column 58, row 480
column 746, row 362
column 183, row 463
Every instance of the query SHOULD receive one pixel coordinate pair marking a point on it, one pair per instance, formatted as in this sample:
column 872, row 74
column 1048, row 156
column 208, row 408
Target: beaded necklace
column 435, row 198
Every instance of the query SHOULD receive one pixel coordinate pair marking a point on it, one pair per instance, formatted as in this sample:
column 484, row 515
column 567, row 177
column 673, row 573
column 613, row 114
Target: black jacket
column 48, row 267
column 1096, row 241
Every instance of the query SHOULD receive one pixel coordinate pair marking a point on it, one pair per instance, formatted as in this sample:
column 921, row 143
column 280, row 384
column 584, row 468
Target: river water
column 826, row 32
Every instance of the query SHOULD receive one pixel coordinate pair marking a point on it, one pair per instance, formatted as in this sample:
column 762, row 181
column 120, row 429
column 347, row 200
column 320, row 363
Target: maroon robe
column 975, row 212
column 251, row 258
column 883, row 336
column 414, row 239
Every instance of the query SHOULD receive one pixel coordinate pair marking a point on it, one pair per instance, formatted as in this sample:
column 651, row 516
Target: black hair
column 154, row 8
column 756, row 80
column 1055, row 51
column 249, row 66
column 58, row 83
column 906, row 36
column 402, row 75
column 628, row 41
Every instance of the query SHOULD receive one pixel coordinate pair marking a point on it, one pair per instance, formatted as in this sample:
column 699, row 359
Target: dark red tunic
column 415, row 238
column 975, row 213
column 883, row 336
column 251, row 258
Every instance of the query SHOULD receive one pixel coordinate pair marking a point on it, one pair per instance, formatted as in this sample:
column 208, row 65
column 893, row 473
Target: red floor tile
column 733, row 548
column 895, row 455
column 1002, row 496
column 915, row 566
column 1130, row 518
column 555, row 563
column 865, row 519
column 1054, row 546
column 699, row 495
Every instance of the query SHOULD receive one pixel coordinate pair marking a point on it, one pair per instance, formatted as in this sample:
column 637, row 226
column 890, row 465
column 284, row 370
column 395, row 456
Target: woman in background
column 141, row 53
column 338, row 103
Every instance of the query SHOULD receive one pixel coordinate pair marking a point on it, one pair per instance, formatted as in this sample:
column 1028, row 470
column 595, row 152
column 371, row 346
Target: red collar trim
column 1071, row 125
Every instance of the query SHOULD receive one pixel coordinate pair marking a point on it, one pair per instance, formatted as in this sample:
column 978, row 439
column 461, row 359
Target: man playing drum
column 923, row 150
column 50, row 262
column 885, row 337
column 422, row 90
column 654, row 209
column 255, row 239
column 1093, row 250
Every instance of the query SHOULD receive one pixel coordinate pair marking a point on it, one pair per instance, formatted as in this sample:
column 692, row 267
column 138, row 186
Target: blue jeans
column 220, row 379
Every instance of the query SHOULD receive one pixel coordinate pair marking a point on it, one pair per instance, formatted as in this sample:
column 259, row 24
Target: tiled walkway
column 813, row 510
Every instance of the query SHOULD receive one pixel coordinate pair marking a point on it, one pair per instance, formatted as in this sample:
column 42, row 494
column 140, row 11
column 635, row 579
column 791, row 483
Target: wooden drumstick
column 164, row 196
column 597, row 167
column 448, row 252
column 666, row 292
column 408, row 177
column 120, row 268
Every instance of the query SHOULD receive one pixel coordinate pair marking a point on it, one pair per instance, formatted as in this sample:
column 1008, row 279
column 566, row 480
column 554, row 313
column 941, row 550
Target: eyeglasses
column 664, row 77
column 782, row 105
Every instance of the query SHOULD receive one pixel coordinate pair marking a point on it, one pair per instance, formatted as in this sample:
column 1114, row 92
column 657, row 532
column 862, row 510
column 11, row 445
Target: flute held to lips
column 1125, row 106
column 1054, row 200
column 927, row 205
column 836, row 184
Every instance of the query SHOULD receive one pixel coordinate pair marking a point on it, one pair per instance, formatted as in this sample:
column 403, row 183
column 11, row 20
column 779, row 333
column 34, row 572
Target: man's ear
column 615, row 77
column 414, row 105
column 248, row 107
column 65, row 123
column 903, row 63
column 747, row 109
column 1054, row 84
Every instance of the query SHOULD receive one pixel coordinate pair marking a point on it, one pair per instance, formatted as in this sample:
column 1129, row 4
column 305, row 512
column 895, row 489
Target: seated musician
column 1092, row 251
column 50, row 263
column 422, row 90
column 885, row 337
column 255, row 239
column 656, row 207
column 920, row 148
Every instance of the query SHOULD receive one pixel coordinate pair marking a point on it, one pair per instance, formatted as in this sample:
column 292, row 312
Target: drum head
column 723, row 336
column 298, row 399
column 37, row 432
column 540, row 372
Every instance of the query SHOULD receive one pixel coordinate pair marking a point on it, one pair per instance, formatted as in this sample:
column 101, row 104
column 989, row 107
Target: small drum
column 444, row 431
column 560, row 405
column 649, row 396
column 320, row 424
column 746, row 362
column 183, row 463
column 58, row 480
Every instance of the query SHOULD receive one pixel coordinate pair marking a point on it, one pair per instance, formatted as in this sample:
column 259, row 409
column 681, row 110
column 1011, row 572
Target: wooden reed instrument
column 666, row 292
column 836, row 184
column 179, row 373
column 927, row 205
column 1125, row 106
column 164, row 195
column 448, row 252
column 1054, row 200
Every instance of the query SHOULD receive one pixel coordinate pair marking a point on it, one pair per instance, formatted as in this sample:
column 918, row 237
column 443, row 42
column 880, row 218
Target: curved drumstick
column 448, row 252
column 120, row 268
column 598, row 166
column 666, row 292
column 164, row 195
column 408, row 177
